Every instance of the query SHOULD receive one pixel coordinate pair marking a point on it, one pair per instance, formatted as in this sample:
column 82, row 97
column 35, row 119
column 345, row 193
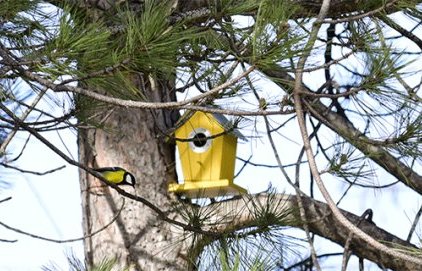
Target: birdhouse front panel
column 207, row 154
column 201, row 147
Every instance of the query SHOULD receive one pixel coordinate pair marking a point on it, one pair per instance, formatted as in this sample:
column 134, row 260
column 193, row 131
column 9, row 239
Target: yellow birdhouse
column 207, row 154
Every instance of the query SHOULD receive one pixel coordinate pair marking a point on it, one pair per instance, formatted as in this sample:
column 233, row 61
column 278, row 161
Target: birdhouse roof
column 220, row 118
column 226, row 124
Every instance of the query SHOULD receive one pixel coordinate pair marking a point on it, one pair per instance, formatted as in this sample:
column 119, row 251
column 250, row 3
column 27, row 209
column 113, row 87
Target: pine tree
column 335, row 71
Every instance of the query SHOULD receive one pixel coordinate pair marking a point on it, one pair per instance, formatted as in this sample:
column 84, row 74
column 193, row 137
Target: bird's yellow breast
column 114, row 176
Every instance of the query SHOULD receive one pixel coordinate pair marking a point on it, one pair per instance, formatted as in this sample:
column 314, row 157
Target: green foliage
column 150, row 41
column 23, row 24
column 273, row 39
column 77, row 48
column 261, row 246
column 193, row 215
column 261, row 251
column 270, row 212
column 9, row 9
column 233, row 7
column 383, row 99
column 76, row 264
column 100, row 55
column 347, row 162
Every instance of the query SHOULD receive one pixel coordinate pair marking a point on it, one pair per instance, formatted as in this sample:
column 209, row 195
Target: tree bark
column 137, row 238
column 132, row 139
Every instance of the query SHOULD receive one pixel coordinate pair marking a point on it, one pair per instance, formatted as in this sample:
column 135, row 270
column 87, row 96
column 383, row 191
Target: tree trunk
column 130, row 139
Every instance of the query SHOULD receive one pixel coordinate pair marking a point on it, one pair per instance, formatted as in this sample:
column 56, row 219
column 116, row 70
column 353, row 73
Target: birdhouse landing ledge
column 207, row 153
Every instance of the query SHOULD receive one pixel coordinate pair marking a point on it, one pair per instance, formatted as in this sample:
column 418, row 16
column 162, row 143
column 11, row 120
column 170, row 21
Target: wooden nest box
column 207, row 151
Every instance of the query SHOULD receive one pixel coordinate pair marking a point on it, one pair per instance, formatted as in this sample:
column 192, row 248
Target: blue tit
column 117, row 175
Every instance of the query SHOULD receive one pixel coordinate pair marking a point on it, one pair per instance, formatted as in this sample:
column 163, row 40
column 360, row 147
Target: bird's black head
column 129, row 179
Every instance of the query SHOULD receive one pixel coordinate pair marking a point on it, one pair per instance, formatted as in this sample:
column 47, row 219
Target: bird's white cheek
column 129, row 180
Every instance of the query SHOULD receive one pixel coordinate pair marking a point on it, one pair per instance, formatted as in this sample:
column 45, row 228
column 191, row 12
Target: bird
column 117, row 175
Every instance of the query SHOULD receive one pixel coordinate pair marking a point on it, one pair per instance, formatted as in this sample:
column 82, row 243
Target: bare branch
column 415, row 222
column 8, row 241
column 32, row 172
column 6, row 199
column 301, row 117
column 60, row 241
column 401, row 30
column 116, row 101
column 382, row 8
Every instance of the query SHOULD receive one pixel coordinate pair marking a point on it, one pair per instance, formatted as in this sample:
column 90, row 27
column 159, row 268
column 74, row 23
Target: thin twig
column 267, row 166
column 60, row 241
column 23, row 117
column 185, row 104
column 8, row 241
column 347, row 253
column 6, row 199
column 245, row 162
column 32, row 172
column 360, row 16
column 415, row 222
column 298, row 195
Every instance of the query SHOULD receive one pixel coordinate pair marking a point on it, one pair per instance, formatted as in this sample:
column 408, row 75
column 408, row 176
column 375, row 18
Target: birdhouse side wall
column 228, row 157
column 216, row 158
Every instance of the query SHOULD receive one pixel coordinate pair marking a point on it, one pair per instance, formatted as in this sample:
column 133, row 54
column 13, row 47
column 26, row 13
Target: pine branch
column 238, row 214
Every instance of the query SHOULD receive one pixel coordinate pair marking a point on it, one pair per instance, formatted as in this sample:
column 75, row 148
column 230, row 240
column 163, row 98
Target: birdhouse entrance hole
column 207, row 154
column 199, row 140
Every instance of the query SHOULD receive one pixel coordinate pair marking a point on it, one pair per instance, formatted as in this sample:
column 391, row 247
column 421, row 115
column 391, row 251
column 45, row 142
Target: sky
column 49, row 205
